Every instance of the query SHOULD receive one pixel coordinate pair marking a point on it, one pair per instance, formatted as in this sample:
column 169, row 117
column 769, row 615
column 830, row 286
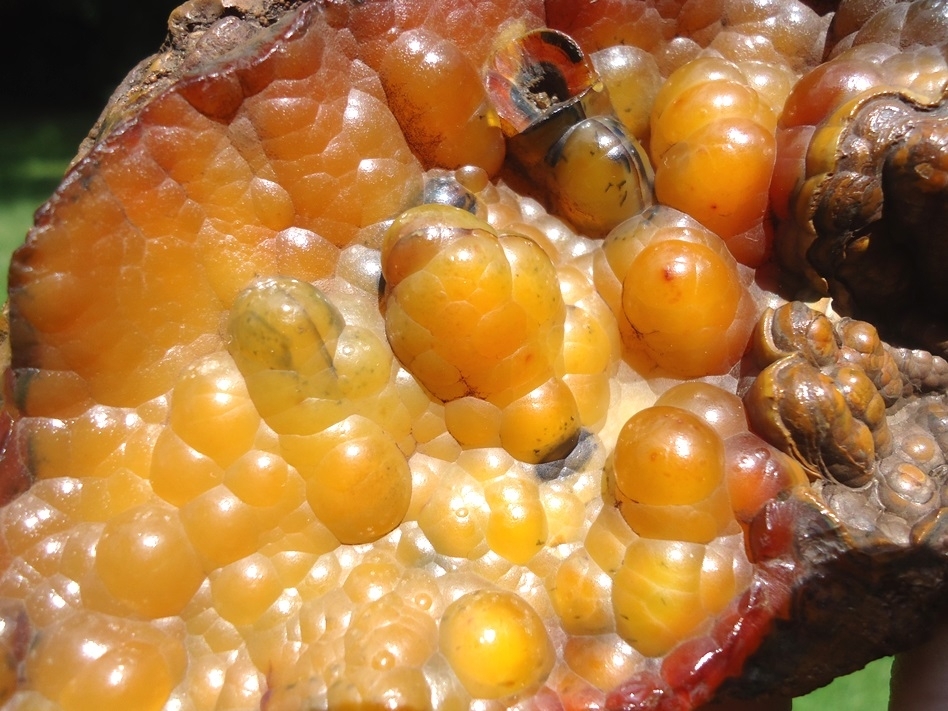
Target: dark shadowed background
column 77, row 50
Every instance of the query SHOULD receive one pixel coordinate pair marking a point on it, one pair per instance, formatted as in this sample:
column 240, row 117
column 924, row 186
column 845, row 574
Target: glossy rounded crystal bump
column 669, row 476
column 478, row 318
column 496, row 644
column 708, row 121
column 683, row 304
column 418, row 71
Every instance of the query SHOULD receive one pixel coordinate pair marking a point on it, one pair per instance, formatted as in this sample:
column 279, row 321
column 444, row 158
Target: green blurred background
column 80, row 50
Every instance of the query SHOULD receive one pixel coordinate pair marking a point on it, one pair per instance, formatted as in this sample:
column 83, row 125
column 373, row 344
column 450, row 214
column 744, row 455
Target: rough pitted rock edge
column 850, row 610
column 855, row 599
column 200, row 34
column 851, row 606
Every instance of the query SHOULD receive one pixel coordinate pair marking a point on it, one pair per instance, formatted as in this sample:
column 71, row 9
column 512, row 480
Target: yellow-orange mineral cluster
column 324, row 407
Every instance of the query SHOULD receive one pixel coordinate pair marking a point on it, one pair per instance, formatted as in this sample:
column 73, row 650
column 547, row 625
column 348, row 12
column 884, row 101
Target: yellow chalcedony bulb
column 243, row 590
column 357, row 479
column 479, row 320
column 516, row 527
column 390, row 633
column 146, row 560
column 666, row 455
column 542, row 425
column 212, row 411
column 667, row 591
column 668, row 476
column 284, row 324
column 656, row 594
column 304, row 366
column 496, row 644
column 92, row 662
column 580, row 595
column 632, row 78
column 455, row 518
column 602, row 175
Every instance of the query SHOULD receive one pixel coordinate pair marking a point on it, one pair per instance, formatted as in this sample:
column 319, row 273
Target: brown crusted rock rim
column 200, row 34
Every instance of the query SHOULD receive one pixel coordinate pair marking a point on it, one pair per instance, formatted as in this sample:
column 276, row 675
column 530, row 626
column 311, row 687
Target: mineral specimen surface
column 482, row 355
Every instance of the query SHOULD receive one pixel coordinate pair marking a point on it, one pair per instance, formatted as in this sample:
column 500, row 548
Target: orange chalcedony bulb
column 92, row 661
column 756, row 473
column 440, row 103
column 496, row 644
column 683, row 303
column 283, row 428
column 668, row 476
column 358, row 482
column 722, row 410
column 713, row 147
column 145, row 559
column 479, row 318
column 666, row 590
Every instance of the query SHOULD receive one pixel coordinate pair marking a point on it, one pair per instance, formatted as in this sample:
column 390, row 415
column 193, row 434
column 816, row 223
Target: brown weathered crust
column 858, row 600
column 876, row 212
column 200, row 34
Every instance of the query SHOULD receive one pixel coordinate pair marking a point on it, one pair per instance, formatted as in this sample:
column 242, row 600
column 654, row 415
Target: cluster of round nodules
column 376, row 626
column 479, row 319
column 855, row 412
column 686, row 475
column 823, row 392
column 679, row 297
column 323, row 424
column 909, row 37
column 875, row 60
column 338, row 503
column 713, row 117
column 323, row 387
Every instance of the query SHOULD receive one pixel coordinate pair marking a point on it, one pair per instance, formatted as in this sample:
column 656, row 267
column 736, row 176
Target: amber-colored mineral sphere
column 668, row 458
column 496, row 644
column 683, row 303
column 479, row 319
column 708, row 123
